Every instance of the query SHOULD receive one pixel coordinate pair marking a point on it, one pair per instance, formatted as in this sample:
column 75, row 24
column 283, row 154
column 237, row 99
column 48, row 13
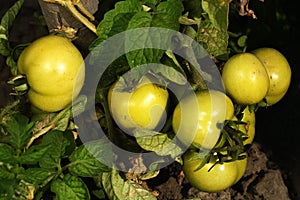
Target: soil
column 272, row 172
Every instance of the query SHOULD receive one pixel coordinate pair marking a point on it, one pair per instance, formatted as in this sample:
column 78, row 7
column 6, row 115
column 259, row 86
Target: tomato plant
column 54, row 69
column 183, row 116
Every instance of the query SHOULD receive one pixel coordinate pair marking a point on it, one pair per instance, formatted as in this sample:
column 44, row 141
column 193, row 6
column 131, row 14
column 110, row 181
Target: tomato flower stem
column 83, row 10
column 69, row 4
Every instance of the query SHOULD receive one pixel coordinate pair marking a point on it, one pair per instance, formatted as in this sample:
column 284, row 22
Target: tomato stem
column 103, row 100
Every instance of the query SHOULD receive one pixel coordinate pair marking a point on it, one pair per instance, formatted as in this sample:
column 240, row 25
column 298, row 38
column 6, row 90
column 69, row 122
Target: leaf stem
column 49, row 126
column 8, row 110
column 40, row 133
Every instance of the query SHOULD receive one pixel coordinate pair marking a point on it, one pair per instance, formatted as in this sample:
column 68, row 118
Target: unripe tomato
column 249, row 126
column 220, row 177
column 196, row 118
column 54, row 69
column 279, row 72
column 143, row 106
column 245, row 79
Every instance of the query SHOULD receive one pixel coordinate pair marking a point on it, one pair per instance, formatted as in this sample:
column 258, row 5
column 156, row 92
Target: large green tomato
column 220, row 177
column 245, row 79
column 55, row 72
column 196, row 118
column 141, row 107
column 279, row 72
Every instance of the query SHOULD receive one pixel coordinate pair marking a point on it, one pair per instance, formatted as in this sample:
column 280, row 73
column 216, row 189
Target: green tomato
column 142, row 107
column 279, row 73
column 249, row 126
column 216, row 179
column 55, row 72
column 197, row 117
column 245, row 79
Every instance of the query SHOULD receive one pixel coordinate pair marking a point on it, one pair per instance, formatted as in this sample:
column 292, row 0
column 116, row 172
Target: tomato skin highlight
column 279, row 73
column 142, row 107
column 216, row 179
column 245, row 79
column 196, row 118
column 55, row 72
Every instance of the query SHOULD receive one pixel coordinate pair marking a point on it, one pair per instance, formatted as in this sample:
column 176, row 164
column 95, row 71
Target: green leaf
column 150, row 2
column 7, row 188
column 169, row 73
column 79, row 105
column 63, row 122
column 100, row 194
column 7, row 154
column 242, row 41
column 143, row 55
column 6, row 23
column 87, row 160
column 19, row 128
column 116, row 20
column 71, row 187
column 217, row 12
column 37, row 176
column 159, row 143
column 58, row 143
column 213, row 39
column 149, row 175
column 34, row 154
column 212, row 32
column 12, row 59
column 5, row 173
column 118, row 188
column 166, row 15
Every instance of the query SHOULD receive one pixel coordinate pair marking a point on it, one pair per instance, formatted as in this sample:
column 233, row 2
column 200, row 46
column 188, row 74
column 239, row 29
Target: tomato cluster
column 263, row 74
column 249, row 79
column 203, row 120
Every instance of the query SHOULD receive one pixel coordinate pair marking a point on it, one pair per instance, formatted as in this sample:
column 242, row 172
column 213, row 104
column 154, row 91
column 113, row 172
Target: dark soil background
column 274, row 167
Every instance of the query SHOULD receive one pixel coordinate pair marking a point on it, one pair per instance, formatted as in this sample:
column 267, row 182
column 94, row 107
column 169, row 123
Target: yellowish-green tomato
column 245, row 79
column 279, row 73
column 249, row 126
column 197, row 118
column 216, row 179
column 142, row 107
column 55, row 72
